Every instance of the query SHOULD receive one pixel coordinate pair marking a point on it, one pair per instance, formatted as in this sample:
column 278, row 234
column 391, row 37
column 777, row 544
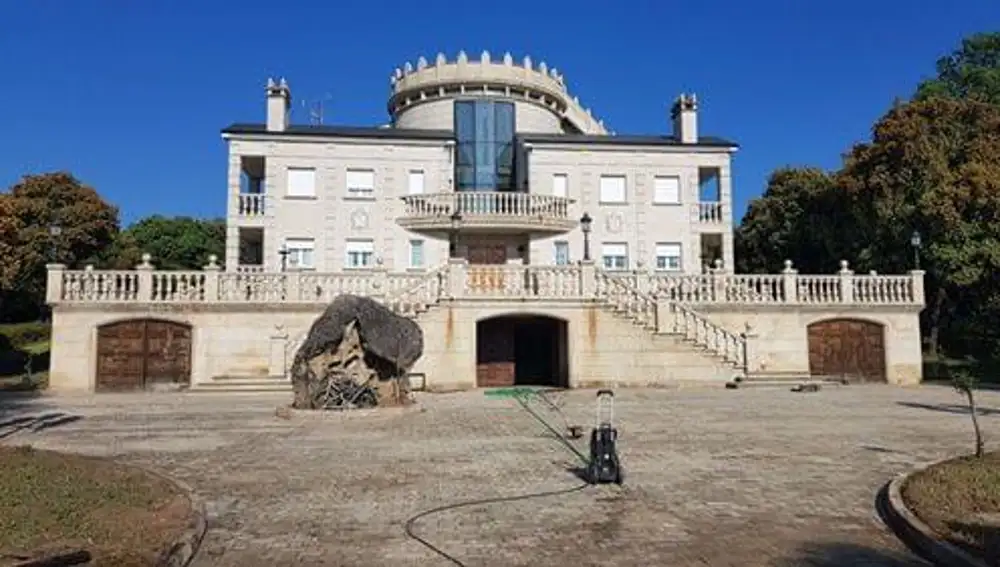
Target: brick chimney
column 685, row 116
column 279, row 104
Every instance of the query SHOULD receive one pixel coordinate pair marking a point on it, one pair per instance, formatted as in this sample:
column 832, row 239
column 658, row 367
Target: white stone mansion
column 531, row 244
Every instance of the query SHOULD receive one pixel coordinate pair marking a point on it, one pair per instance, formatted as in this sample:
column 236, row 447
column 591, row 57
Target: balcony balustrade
column 488, row 210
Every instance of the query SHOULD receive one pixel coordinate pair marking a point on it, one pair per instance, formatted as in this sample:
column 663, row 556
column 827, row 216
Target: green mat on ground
column 515, row 392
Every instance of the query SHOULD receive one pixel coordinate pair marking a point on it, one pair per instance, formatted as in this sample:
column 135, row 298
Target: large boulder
column 359, row 350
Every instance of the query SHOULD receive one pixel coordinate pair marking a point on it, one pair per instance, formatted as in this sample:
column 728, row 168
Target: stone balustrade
column 488, row 209
column 251, row 205
column 708, row 212
column 459, row 280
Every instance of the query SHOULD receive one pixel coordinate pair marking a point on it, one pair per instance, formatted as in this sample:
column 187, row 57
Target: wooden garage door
column 847, row 348
column 139, row 353
column 495, row 353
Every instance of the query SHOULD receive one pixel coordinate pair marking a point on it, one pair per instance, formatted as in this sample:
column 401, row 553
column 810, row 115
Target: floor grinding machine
column 604, row 466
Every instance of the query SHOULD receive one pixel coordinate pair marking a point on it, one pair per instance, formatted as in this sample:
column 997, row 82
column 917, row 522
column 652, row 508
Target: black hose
column 413, row 520
column 408, row 527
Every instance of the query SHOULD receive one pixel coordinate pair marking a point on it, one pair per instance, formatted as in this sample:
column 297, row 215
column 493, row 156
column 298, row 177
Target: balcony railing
column 251, row 205
column 488, row 209
column 710, row 212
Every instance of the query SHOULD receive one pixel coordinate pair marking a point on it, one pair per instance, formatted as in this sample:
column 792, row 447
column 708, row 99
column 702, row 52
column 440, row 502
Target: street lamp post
column 456, row 223
column 284, row 257
column 585, row 222
column 915, row 242
column 54, row 232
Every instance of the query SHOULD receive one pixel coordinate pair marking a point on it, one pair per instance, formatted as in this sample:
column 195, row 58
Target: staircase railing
column 407, row 302
column 684, row 321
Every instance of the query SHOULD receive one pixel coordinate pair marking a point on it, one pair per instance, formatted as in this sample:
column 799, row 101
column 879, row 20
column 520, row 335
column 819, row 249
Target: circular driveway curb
column 918, row 535
column 183, row 549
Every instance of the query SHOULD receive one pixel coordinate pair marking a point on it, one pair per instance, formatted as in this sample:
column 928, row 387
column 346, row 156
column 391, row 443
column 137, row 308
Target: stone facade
column 704, row 328
column 586, row 258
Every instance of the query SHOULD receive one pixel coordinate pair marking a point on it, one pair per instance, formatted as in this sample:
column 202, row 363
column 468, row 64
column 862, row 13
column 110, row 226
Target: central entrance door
column 514, row 350
column 484, row 263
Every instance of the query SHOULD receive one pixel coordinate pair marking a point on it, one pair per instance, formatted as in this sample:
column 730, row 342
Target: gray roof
column 412, row 134
column 627, row 140
column 341, row 132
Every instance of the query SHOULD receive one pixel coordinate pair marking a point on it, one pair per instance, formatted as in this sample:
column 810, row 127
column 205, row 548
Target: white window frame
column 300, row 253
column 414, row 246
column 560, row 185
column 556, row 247
column 614, row 256
column 412, row 185
column 665, row 251
column 359, row 253
column 610, row 192
column 358, row 186
column 663, row 195
column 300, row 182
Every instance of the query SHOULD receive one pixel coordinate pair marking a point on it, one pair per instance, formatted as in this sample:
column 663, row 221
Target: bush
column 21, row 334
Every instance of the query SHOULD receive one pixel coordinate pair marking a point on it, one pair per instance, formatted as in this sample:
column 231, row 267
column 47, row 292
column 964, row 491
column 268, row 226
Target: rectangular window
column 416, row 253
column 560, row 185
column 301, row 253
column 668, row 256
column 360, row 254
column 667, row 190
column 562, row 253
column 612, row 189
column 360, row 182
column 301, row 182
column 416, row 186
column 614, row 255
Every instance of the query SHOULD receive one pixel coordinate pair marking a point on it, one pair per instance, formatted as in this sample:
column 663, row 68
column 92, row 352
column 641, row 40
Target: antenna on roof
column 315, row 109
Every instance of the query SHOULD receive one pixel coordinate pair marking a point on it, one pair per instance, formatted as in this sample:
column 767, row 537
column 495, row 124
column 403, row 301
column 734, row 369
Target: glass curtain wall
column 485, row 151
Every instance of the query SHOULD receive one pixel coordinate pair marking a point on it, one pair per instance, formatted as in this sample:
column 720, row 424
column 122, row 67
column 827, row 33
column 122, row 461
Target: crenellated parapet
column 413, row 84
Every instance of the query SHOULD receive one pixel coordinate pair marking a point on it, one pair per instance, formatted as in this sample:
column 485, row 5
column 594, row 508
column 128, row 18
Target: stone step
column 781, row 382
column 244, row 384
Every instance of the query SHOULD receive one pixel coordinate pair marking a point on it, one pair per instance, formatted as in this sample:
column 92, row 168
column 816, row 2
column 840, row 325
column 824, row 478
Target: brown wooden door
column 137, row 353
column 495, row 353
column 484, row 272
column 847, row 348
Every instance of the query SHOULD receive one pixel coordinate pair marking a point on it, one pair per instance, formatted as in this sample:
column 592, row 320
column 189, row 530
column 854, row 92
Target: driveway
column 715, row 477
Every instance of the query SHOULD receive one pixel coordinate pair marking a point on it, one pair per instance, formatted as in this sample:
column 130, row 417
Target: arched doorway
column 138, row 354
column 516, row 350
column 847, row 348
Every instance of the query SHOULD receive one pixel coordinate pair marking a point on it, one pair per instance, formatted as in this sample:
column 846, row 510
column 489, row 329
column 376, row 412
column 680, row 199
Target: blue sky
column 130, row 95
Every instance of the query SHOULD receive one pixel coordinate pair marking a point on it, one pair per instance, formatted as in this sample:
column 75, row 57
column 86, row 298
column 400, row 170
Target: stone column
column 919, row 295
column 846, row 282
column 278, row 361
column 751, row 356
column 664, row 319
column 54, row 283
column 380, row 279
column 212, row 270
column 718, row 281
column 456, row 277
column 588, row 279
column 145, row 278
column 790, row 282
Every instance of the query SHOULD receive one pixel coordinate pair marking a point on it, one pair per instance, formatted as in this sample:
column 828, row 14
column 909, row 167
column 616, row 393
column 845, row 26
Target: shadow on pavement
column 34, row 423
column 949, row 408
column 837, row 554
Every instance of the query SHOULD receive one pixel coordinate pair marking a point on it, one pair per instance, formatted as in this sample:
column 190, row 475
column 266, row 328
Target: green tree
column 934, row 166
column 965, row 383
column 175, row 243
column 970, row 72
column 803, row 217
column 37, row 202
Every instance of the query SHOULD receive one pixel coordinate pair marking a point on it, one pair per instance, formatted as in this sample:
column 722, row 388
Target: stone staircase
column 719, row 353
column 686, row 347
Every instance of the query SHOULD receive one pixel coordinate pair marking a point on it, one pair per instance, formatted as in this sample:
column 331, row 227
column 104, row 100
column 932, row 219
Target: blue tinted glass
column 485, row 156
